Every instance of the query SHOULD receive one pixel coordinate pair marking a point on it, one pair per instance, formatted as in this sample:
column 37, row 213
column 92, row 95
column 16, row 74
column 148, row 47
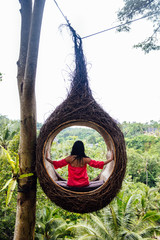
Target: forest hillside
column 133, row 214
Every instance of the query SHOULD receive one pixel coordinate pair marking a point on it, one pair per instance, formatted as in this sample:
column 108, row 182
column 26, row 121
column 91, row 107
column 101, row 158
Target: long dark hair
column 78, row 150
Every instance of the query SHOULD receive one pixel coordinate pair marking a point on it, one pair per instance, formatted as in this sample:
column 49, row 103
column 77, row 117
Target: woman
column 77, row 165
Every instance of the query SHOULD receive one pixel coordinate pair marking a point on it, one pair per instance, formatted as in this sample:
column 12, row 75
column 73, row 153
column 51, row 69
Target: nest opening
column 107, row 170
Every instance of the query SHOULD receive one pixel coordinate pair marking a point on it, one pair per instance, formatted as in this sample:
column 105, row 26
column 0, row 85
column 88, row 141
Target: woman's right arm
column 58, row 164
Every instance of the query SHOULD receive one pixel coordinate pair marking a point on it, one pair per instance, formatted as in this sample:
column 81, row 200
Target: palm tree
column 125, row 218
column 50, row 225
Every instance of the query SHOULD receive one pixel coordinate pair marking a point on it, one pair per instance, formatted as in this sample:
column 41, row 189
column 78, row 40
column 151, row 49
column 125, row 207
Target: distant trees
column 143, row 142
column 143, row 167
column 137, row 8
column 87, row 134
column 133, row 129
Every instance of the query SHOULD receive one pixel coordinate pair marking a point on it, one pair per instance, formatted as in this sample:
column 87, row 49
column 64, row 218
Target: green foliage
column 8, row 129
column 7, row 221
column 142, row 142
column 148, row 44
column 7, row 214
column 133, row 214
column 150, row 9
column 11, row 183
column 82, row 133
column 143, row 151
column 0, row 77
column 50, row 225
column 143, row 167
column 131, row 130
column 13, row 145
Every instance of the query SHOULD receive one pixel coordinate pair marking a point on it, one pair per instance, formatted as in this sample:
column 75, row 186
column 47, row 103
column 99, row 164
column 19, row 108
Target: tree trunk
column 27, row 64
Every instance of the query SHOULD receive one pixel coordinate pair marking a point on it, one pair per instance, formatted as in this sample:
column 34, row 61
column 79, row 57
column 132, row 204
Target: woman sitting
column 77, row 166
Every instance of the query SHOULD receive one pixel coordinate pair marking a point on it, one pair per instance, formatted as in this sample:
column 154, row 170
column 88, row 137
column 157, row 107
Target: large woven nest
column 81, row 109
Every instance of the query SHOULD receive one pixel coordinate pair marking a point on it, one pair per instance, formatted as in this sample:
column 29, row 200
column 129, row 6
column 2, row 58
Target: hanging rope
column 120, row 25
column 105, row 30
column 61, row 12
column 80, row 80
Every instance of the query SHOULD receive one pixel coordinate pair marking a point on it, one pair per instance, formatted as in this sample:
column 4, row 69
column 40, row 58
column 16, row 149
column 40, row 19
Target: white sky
column 124, row 80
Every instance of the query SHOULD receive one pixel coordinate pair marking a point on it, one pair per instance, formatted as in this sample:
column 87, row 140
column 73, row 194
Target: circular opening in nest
column 104, row 174
column 95, row 147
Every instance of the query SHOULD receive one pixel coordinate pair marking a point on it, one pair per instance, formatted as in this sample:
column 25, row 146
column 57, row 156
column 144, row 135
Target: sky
column 123, row 80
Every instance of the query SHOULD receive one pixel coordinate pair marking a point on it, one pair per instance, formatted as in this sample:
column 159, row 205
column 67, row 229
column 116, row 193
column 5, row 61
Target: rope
column 128, row 22
column 62, row 12
column 105, row 30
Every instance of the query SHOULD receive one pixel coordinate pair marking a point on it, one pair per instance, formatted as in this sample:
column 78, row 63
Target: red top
column 77, row 176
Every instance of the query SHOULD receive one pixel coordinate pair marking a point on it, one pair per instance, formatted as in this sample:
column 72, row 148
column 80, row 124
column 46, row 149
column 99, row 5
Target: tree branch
column 32, row 56
column 26, row 14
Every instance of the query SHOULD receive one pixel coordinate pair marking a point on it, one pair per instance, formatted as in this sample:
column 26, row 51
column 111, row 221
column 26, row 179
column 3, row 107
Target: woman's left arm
column 49, row 160
column 110, row 159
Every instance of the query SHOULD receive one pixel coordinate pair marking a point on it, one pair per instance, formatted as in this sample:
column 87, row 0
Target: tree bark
column 27, row 64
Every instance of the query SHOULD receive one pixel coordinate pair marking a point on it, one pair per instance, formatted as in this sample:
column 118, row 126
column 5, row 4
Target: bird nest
column 80, row 109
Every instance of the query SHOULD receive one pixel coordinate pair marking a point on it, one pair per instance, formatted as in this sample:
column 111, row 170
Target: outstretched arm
column 110, row 159
column 98, row 164
column 57, row 164
column 49, row 160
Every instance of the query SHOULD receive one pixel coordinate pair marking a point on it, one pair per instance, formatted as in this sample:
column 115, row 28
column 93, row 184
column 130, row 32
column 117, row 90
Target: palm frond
column 87, row 237
column 85, row 229
column 133, row 236
column 6, row 185
column 98, row 221
column 151, row 216
column 39, row 236
column 150, row 231
column 11, row 188
column 114, row 218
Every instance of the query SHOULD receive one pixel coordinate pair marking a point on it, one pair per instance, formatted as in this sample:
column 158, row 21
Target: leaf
column 87, row 237
column 0, row 76
column 40, row 225
column 98, row 221
column 86, row 229
column 11, row 188
column 12, row 163
column 40, row 236
column 16, row 171
column 25, row 175
column 151, row 216
column 7, row 183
